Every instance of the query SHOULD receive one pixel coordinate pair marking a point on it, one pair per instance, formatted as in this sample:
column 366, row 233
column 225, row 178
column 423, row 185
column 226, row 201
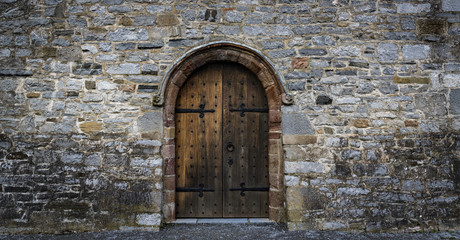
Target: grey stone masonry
column 371, row 141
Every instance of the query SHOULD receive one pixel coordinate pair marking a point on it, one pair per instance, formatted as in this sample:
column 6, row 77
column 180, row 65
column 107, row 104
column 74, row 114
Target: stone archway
column 276, row 96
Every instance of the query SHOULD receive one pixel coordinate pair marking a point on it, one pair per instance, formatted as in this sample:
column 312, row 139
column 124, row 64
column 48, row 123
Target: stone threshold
column 222, row 220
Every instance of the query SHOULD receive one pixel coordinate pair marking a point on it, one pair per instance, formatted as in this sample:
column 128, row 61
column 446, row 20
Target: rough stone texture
column 450, row 5
column 370, row 143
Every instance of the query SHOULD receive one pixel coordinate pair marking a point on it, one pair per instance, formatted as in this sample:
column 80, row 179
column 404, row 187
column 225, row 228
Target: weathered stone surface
column 413, row 8
column 296, row 124
column 450, row 5
column 419, row 80
column 167, row 20
column 305, row 167
column 414, row 52
column 370, row 140
column 128, row 34
column 91, row 127
column 148, row 219
column 305, row 198
column 454, row 101
column 387, row 52
column 125, row 68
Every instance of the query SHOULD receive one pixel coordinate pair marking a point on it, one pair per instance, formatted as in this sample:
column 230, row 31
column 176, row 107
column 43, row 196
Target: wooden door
column 222, row 144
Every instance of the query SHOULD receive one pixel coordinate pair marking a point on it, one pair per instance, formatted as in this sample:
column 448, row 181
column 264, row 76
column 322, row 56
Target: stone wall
column 371, row 142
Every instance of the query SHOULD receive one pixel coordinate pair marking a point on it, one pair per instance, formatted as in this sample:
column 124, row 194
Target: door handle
column 230, row 147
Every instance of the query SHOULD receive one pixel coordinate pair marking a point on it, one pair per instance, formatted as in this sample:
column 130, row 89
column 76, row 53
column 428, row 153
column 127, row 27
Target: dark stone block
column 323, row 100
column 15, row 72
column 454, row 101
column 431, row 26
column 88, row 69
column 343, row 170
column 312, row 52
column 16, row 189
column 5, row 142
column 456, row 173
column 364, row 169
column 147, row 88
column 184, row 42
column 17, row 156
column 346, row 72
column 296, row 86
column 125, row 46
column 151, row 45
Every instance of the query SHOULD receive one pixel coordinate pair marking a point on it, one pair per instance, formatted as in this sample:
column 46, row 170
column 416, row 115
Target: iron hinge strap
column 201, row 110
column 242, row 109
column 199, row 189
column 243, row 189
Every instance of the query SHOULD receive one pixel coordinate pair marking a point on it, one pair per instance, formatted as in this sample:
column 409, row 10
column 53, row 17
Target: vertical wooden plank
column 249, row 134
column 259, row 147
column 200, row 152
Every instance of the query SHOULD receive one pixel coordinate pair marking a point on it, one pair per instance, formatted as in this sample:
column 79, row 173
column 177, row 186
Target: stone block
column 282, row 53
column 304, row 167
column 411, row 80
column 71, row 158
column 400, row 36
column 416, row 52
column 269, row 45
column 451, row 5
column 451, row 80
column 92, row 97
column 296, row 124
column 151, row 122
column 128, row 34
column 299, row 63
column 361, row 123
column 167, row 19
column 151, row 45
column 312, row 52
column 387, row 52
column 432, row 105
column 254, row 30
column 334, row 80
column 153, row 9
column 305, row 198
column 351, row 191
column 91, row 127
column 413, row 8
column 347, row 100
column 125, row 68
column 299, row 139
column 233, row 17
column 323, row 100
column 5, row 40
column 412, row 185
column 306, row 30
column 454, row 100
column 149, row 219
column 431, row 26
column 351, row 154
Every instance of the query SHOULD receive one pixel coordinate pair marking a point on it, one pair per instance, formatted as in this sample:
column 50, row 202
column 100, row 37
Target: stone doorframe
column 276, row 96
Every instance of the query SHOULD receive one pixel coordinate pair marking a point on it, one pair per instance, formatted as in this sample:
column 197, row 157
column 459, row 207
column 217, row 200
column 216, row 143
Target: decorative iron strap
column 201, row 111
column 243, row 189
column 199, row 189
column 242, row 109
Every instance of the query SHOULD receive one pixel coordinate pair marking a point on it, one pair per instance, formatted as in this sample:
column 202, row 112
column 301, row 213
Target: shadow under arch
column 276, row 96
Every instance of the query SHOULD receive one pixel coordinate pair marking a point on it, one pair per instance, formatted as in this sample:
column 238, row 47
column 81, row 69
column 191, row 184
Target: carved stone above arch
column 223, row 51
column 276, row 96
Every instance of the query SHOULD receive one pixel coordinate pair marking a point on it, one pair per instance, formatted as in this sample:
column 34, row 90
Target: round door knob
column 230, row 147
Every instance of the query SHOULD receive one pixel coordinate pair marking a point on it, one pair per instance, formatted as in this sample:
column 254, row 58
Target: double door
column 222, row 144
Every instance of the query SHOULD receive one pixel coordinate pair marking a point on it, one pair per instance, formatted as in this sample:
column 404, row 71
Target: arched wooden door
column 222, row 144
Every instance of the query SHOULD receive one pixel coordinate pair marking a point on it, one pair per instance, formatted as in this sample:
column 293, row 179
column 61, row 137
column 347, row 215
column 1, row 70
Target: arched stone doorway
column 275, row 94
